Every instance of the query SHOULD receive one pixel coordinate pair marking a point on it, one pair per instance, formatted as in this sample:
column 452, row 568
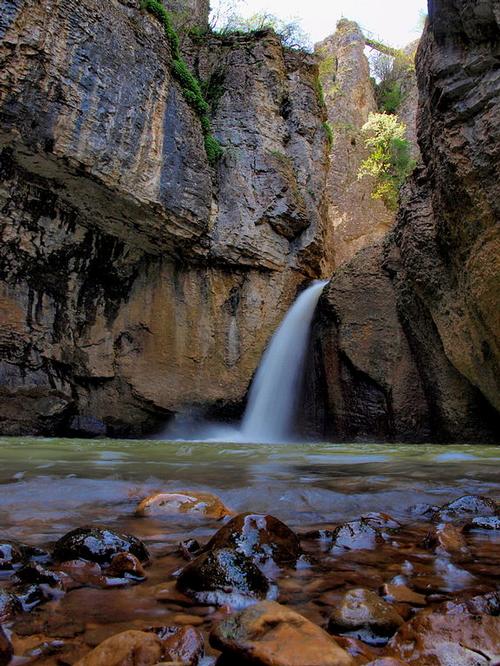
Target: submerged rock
column 97, row 545
column 269, row 634
column 129, row 648
column 261, row 537
column 465, row 508
column 171, row 503
column 403, row 594
column 357, row 534
column 364, row 614
column 9, row 605
column 446, row 539
column 223, row 576
column 183, row 645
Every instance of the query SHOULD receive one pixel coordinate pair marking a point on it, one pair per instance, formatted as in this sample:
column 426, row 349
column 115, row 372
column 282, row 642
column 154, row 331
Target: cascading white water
column 274, row 392
column 276, row 385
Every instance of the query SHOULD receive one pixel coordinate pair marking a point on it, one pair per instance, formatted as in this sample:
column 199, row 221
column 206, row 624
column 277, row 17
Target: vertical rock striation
column 135, row 279
column 417, row 356
column 357, row 219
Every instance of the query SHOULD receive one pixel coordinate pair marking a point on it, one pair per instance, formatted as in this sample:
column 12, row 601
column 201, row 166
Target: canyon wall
column 136, row 279
column 405, row 343
column 357, row 219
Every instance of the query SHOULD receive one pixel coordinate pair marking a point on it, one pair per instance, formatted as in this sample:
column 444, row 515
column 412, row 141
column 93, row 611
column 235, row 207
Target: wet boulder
column 446, row 539
column 97, row 544
column 447, row 638
column 261, row 537
column 126, row 565
column 223, row 576
column 356, row 535
column 37, row 574
column 484, row 523
column 138, row 648
column 181, row 644
column 464, row 508
column 9, row 605
column 363, row 614
column 194, row 503
column 269, row 634
column 11, row 555
column 32, row 595
column 381, row 520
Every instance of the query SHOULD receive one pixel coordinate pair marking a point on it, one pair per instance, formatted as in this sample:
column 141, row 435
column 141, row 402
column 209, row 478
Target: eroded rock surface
column 417, row 356
column 131, row 271
column 269, row 634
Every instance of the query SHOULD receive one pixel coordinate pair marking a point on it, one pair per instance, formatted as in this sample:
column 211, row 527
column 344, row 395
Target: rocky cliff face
column 356, row 218
column 418, row 355
column 136, row 279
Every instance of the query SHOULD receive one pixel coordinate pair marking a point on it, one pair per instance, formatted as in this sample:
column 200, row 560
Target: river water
column 49, row 486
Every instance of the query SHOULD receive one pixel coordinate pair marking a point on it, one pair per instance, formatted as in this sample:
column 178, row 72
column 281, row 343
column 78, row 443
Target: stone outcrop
column 405, row 344
column 357, row 219
column 137, row 280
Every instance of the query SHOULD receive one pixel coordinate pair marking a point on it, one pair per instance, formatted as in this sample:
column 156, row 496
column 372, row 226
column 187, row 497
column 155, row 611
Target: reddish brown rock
column 130, row 648
column 436, row 639
column 269, row 634
column 181, row 644
column 446, row 538
column 403, row 594
column 126, row 565
column 365, row 615
column 171, row 503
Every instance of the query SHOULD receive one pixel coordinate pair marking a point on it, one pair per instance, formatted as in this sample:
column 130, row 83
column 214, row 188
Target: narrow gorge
column 140, row 279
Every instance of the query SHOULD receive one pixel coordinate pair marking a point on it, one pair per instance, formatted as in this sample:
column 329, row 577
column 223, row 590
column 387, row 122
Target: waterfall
column 272, row 400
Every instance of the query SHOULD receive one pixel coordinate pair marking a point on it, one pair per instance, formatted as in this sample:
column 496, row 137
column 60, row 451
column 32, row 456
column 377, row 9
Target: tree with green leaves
column 389, row 161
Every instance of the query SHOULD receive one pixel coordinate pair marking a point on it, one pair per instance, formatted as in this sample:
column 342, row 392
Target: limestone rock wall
column 417, row 357
column 135, row 279
column 356, row 218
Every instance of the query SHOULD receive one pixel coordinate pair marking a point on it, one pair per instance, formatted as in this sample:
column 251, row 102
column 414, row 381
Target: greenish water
column 50, row 485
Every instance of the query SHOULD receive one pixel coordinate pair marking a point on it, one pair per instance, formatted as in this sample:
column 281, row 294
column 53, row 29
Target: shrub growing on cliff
column 191, row 87
column 290, row 31
column 390, row 161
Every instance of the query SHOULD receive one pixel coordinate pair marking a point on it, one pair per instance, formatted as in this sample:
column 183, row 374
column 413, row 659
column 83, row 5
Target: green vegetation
column 290, row 32
column 391, row 75
column 329, row 132
column 320, row 95
column 390, row 161
column 191, row 87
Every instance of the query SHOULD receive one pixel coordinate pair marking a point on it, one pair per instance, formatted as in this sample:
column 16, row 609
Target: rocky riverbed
column 185, row 576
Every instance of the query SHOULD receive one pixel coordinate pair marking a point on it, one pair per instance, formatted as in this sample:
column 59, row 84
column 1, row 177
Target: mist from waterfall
column 273, row 397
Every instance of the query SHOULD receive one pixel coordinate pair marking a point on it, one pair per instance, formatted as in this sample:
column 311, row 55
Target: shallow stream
column 50, row 486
